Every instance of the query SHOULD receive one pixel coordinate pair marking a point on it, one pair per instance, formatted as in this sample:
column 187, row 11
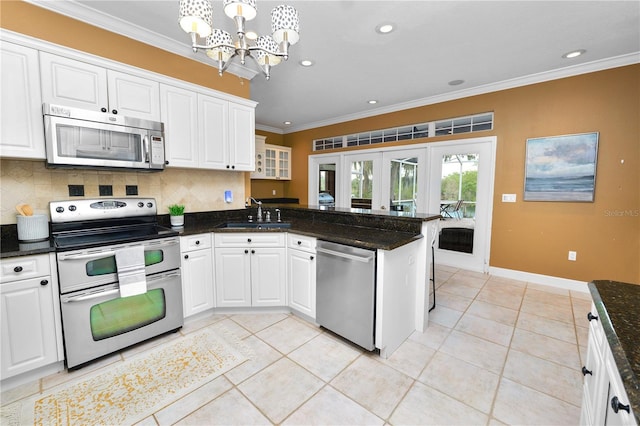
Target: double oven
column 96, row 318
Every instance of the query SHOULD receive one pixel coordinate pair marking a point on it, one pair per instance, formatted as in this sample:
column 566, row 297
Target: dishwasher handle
column 364, row 259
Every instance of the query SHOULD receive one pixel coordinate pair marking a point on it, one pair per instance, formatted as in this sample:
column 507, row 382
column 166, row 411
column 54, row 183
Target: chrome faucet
column 259, row 203
column 268, row 216
column 278, row 213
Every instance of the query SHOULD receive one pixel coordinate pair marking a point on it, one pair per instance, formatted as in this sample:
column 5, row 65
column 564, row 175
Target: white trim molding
column 563, row 283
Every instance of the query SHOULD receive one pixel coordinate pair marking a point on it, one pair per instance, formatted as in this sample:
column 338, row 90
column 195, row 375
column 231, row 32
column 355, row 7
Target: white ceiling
column 491, row 45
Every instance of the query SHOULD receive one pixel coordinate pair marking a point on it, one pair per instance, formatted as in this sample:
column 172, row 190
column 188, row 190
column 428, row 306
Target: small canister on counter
column 33, row 228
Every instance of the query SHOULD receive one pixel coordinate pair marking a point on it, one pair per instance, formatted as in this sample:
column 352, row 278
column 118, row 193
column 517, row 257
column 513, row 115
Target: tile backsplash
column 23, row 181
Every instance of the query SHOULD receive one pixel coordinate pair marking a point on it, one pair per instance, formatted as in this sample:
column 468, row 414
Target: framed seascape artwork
column 561, row 168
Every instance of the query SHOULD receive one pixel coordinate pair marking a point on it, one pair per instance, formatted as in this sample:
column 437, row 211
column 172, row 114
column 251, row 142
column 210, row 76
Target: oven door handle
column 90, row 296
column 87, row 256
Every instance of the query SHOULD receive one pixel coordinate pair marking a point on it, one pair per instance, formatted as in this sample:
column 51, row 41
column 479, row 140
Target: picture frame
column 561, row 168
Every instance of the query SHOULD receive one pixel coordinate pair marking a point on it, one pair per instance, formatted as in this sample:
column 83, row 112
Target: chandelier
column 196, row 18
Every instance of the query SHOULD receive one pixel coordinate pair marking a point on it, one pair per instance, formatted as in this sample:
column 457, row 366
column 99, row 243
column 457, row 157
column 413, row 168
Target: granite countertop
column 618, row 306
column 371, row 230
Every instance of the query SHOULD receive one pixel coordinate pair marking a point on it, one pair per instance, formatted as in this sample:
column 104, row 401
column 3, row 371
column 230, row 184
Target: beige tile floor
column 496, row 352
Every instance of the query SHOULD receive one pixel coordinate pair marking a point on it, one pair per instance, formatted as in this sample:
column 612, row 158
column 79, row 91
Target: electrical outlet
column 273, row 192
column 508, row 198
column 572, row 255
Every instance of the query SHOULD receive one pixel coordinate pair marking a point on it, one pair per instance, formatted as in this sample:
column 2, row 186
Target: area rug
column 132, row 390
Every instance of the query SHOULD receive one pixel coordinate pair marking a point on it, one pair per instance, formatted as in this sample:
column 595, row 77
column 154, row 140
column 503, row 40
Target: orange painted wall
column 536, row 236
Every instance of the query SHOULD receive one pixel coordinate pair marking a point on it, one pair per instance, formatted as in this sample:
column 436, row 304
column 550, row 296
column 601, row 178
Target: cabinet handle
column 617, row 405
column 197, row 242
column 590, row 317
column 114, row 111
column 186, row 256
column 166, row 162
column 299, row 242
column 17, row 269
column 246, row 252
column 311, row 257
column 44, row 282
column 233, row 167
column 253, row 252
column 248, row 240
column 227, row 166
column 585, row 371
column 103, row 109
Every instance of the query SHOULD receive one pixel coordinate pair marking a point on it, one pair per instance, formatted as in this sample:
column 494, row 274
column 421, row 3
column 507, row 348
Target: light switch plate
column 508, row 198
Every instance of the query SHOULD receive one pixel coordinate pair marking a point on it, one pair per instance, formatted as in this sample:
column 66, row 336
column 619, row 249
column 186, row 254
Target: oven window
column 118, row 316
column 107, row 265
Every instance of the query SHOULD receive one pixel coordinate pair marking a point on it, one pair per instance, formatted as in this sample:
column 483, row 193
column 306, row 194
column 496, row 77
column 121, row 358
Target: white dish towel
column 131, row 271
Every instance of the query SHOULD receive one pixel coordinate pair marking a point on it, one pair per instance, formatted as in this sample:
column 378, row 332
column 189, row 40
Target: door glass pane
column 404, row 184
column 458, row 188
column 121, row 315
column 361, row 184
column 327, row 185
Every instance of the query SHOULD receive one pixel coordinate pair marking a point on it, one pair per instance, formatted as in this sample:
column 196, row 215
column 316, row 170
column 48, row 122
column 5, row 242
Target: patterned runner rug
column 129, row 391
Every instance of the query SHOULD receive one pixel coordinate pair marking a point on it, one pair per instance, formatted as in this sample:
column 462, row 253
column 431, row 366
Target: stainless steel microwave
column 77, row 138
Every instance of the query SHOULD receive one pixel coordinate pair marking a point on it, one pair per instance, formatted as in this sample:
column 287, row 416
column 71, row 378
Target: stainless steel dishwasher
column 345, row 291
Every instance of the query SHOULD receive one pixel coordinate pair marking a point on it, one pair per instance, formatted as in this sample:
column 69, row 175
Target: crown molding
column 98, row 19
column 571, row 71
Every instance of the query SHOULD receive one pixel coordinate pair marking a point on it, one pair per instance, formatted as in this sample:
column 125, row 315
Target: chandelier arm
column 266, row 68
column 269, row 52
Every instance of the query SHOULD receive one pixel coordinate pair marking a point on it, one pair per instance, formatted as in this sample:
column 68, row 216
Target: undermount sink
column 256, row 225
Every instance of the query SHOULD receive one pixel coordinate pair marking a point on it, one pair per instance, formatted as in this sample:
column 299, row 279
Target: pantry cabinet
column 21, row 128
column 31, row 330
column 83, row 85
column 301, row 274
column 197, row 274
column 250, row 269
column 602, row 382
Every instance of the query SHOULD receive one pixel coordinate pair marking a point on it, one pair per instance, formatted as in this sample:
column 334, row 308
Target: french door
column 461, row 188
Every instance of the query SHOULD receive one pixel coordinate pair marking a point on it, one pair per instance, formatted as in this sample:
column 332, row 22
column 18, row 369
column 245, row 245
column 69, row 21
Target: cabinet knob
column 616, row 405
column 233, row 167
column 311, row 257
column 114, row 111
column 186, row 256
column 44, row 282
column 103, row 109
column 197, row 242
column 227, row 166
column 253, row 252
column 166, row 162
column 246, row 251
column 585, row 371
column 590, row 317
column 299, row 242
column 17, row 269
column 248, row 240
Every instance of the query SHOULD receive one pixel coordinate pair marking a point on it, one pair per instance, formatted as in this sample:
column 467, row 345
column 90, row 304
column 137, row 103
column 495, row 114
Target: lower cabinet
column 604, row 399
column 197, row 274
column 31, row 329
column 250, row 269
column 301, row 274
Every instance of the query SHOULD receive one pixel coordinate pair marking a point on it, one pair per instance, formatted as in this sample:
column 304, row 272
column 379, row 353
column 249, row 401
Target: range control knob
column 72, row 208
column 59, row 209
column 140, row 204
column 149, row 205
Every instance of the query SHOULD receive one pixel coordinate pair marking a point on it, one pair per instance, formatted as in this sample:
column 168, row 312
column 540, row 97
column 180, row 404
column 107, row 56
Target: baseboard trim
column 548, row 280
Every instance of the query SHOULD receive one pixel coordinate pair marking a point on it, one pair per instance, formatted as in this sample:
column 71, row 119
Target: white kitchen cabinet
column 21, row 127
column 31, row 334
column 213, row 136
column 179, row 113
column 79, row 84
column 242, row 128
column 301, row 274
column 602, row 382
column 197, row 274
column 275, row 162
column 250, row 269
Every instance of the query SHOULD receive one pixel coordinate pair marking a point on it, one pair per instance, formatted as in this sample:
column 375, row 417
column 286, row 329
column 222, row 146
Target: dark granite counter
column 368, row 229
column 618, row 306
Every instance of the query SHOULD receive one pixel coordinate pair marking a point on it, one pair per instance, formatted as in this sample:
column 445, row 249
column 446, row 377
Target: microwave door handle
column 145, row 146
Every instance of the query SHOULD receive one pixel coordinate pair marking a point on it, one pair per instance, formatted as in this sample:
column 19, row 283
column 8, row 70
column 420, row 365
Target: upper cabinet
column 21, row 128
column 207, row 132
column 79, row 84
column 272, row 161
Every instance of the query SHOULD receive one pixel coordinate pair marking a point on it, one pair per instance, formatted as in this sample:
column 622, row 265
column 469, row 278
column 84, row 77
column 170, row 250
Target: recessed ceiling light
column 385, row 28
column 456, row 82
column 306, row 62
column 286, row 123
column 573, row 54
column 372, row 102
column 251, row 35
